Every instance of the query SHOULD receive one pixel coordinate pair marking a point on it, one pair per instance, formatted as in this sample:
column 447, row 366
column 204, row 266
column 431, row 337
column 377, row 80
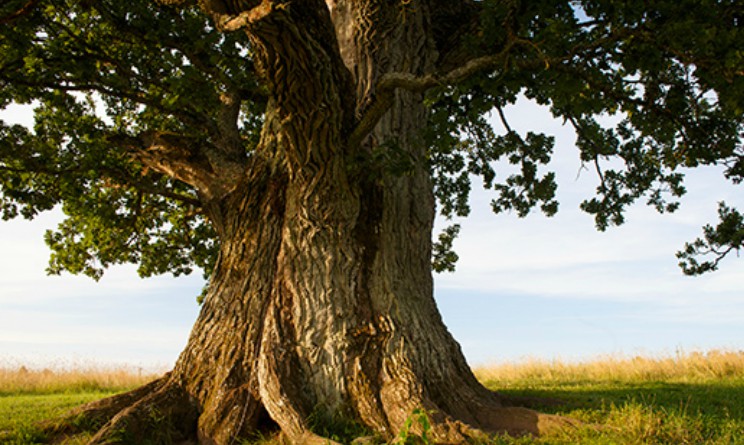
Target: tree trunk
column 320, row 307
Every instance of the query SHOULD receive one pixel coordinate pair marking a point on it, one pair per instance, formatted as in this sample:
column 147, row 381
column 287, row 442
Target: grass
column 19, row 413
column 28, row 396
column 694, row 398
column 69, row 379
column 694, row 366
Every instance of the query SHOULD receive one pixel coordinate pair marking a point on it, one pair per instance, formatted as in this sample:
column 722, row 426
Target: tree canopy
column 139, row 104
column 294, row 150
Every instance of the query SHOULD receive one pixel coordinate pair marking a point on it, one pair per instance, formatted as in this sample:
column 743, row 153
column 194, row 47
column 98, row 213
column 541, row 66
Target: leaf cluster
column 650, row 88
column 717, row 242
column 98, row 73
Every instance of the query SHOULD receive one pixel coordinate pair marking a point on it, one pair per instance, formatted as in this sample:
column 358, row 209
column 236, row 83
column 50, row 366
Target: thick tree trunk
column 321, row 303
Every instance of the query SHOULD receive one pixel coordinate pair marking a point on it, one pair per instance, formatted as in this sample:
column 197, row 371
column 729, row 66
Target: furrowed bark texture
column 421, row 365
column 321, row 302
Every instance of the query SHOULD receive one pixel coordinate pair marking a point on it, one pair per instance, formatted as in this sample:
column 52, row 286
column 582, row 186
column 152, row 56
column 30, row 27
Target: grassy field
column 28, row 396
column 695, row 398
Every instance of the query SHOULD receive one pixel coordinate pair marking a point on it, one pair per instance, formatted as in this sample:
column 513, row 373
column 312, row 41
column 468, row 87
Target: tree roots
column 162, row 412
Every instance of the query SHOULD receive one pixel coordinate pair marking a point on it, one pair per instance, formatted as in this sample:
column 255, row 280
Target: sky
column 532, row 288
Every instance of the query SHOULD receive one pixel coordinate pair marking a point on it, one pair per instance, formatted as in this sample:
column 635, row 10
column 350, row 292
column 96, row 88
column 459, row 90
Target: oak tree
column 297, row 152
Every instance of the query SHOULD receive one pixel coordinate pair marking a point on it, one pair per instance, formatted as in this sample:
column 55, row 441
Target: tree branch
column 389, row 82
column 183, row 158
column 597, row 150
column 504, row 121
column 25, row 9
column 72, row 85
column 227, row 19
column 118, row 178
column 152, row 189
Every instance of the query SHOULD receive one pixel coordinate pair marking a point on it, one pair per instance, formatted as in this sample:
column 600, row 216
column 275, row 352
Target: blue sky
column 534, row 287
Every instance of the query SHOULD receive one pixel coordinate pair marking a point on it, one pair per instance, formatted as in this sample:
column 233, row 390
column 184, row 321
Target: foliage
column 721, row 240
column 100, row 72
column 417, row 421
column 444, row 258
column 651, row 88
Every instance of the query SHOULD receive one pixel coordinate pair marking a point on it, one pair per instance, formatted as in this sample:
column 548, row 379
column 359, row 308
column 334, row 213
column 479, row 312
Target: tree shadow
column 723, row 399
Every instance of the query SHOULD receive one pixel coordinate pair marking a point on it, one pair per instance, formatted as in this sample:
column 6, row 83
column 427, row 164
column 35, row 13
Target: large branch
column 390, row 82
column 114, row 176
column 470, row 65
column 59, row 82
column 228, row 18
column 24, row 10
column 185, row 159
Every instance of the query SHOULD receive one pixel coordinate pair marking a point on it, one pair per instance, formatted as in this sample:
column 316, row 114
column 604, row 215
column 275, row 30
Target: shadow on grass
column 722, row 400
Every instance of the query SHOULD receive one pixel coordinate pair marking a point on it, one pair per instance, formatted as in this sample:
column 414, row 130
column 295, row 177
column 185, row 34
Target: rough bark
column 321, row 302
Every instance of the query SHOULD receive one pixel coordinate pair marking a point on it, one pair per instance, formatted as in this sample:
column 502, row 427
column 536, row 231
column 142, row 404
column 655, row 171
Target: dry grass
column 16, row 380
column 682, row 367
column 688, row 398
column 685, row 398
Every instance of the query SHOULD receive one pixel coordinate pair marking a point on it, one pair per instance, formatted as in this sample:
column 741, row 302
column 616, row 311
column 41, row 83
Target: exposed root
column 159, row 412
column 491, row 418
column 92, row 416
column 163, row 413
column 235, row 413
column 167, row 415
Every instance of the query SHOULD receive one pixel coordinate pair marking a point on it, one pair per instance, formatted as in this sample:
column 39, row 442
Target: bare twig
column 502, row 116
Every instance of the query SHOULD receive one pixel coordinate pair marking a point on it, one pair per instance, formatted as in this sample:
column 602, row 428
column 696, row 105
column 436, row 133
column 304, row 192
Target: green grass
column 652, row 412
column 29, row 396
column 686, row 399
column 19, row 413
